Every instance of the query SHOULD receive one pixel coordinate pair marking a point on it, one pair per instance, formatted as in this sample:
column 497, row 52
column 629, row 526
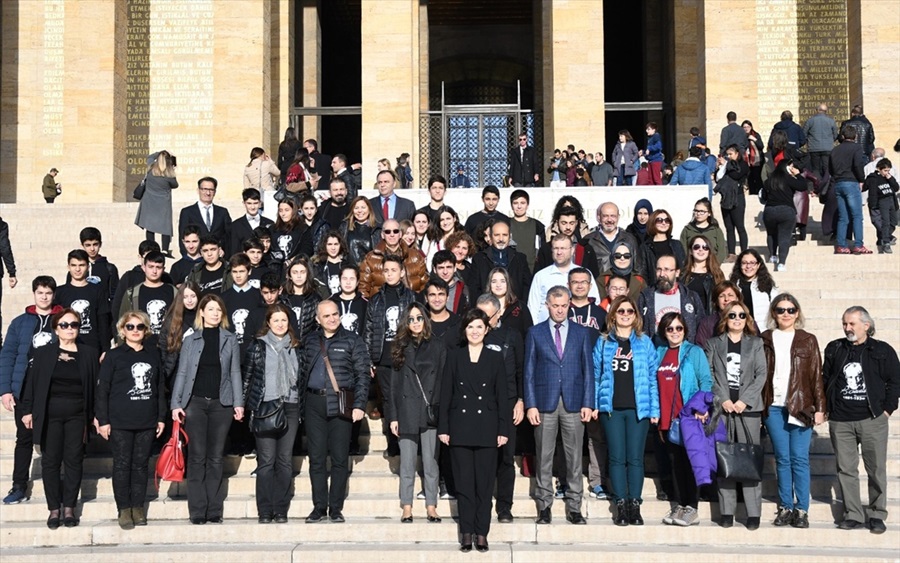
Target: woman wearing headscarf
column 638, row 227
column 622, row 264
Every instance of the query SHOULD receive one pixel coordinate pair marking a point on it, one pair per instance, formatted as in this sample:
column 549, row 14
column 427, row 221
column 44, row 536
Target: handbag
column 345, row 397
column 140, row 189
column 739, row 461
column 674, row 435
column 430, row 410
column 268, row 420
column 170, row 463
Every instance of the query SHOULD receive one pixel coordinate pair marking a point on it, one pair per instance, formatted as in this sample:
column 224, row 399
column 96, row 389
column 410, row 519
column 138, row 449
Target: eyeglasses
column 700, row 247
column 733, row 316
column 416, row 319
column 625, row 312
column 674, row 329
column 66, row 326
column 663, row 220
column 788, row 310
column 701, row 211
column 749, row 264
column 140, row 326
column 391, row 231
column 625, row 256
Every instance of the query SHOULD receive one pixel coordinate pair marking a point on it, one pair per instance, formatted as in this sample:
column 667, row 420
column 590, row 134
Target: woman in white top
column 438, row 233
column 794, row 398
column 755, row 282
column 261, row 172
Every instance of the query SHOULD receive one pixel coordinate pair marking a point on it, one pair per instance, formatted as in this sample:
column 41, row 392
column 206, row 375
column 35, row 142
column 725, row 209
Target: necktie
column 209, row 219
column 384, row 210
column 559, row 346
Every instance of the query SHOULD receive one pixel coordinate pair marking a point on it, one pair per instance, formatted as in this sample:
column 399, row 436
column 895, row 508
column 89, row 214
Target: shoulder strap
column 328, row 366
column 135, row 296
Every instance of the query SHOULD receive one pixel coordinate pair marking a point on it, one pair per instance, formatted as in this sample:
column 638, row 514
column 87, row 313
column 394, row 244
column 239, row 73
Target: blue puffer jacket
column 691, row 172
column 693, row 369
column 644, row 358
column 16, row 352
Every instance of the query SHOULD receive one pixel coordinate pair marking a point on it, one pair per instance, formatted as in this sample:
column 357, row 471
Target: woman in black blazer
column 418, row 365
column 58, row 403
column 474, row 421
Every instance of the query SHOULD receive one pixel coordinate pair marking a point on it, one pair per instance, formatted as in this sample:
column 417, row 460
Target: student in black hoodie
column 100, row 270
column 444, row 323
column 243, row 303
column 213, row 274
column 190, row 240
column 152, row 296
column 135, row 275
column 89, row 300
column 350, row 302
column 490, row 196
column 130, row 405
column 882, row 188
column 301, row 295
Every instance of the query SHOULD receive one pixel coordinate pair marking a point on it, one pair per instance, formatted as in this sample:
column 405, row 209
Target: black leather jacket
column 375, row 321
column 253, row 371
column 361, row 240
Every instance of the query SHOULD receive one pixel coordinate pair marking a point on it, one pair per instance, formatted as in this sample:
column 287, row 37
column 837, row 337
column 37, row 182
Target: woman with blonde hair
column 154, row 213
column 261, row 172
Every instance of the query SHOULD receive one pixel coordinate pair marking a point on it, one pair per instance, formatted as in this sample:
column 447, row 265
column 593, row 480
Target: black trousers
column 166, row 240
column 275, row 467
column 63, row 443
column 474, row 469
column 445, row 466
column 383, row 377
column 506, row 473
column 779, row 222
column 130, row 453
column 206, row 422
column 685, row 485
column 734, row 221
column 327, row 436
column 23, row 451
column 818, row 162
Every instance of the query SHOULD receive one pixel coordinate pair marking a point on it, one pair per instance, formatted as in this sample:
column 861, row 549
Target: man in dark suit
column 212, row 219
column 398, row 208
column 523, row 166
column 559, row 396
column 319, row 163
column 242, row 227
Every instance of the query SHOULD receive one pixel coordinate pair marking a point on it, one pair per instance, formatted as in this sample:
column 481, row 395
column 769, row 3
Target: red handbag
column 170, row 464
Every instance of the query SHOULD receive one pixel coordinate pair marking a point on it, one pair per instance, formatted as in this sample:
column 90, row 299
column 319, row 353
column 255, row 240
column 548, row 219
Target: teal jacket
column 646, row 391
column 693, row 369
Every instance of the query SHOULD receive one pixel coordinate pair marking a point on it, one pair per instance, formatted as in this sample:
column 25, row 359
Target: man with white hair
column 862, row 382
column 607, row 236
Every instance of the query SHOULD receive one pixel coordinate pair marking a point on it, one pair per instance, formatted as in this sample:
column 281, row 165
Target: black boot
column 634, row 513
column 621, row 518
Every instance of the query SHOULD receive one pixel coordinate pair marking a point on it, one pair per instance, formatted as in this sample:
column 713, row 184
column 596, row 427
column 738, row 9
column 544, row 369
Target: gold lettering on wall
column 822, row 56
column 776, row 58
column 53, row 68
column 137, row 96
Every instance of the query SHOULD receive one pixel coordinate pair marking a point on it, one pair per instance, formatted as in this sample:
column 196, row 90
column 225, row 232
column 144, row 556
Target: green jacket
column 712, row 233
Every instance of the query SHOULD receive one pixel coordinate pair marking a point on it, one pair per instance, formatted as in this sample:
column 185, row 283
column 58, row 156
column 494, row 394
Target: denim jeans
column 623, row 179
column 849, row 205
column 791, row 446
column 625, row 438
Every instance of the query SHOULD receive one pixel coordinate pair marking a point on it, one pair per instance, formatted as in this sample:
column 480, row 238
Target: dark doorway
column 341, row 76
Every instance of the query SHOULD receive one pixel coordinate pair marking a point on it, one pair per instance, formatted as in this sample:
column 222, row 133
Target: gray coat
column 753, row 370
column 821, row 132
column 231, row 389
column 155, row 211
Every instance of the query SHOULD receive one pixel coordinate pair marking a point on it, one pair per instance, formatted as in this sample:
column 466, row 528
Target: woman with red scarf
column 755, row 157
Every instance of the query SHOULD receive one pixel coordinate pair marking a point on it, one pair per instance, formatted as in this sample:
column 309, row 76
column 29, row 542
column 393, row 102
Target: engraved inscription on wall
column 53, row 68
column 137, row 90
column 822, row 56
column 776, row 60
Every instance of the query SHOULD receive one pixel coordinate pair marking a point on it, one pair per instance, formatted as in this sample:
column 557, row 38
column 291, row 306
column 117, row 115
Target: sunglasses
column 700, row 247
column 73, row 324
column 733, row 316
column 625, row 312
column 140, row 326
column 416, row 319
column 674, row 329
column 788, row 310
column 390, row 231
column 625, row 256
column 663, row 220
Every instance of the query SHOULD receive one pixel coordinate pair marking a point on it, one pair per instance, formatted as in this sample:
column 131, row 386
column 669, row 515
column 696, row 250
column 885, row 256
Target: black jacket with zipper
column 880, row 367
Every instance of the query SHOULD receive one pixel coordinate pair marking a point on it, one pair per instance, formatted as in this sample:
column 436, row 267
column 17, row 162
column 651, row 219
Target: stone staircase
column 825, row 284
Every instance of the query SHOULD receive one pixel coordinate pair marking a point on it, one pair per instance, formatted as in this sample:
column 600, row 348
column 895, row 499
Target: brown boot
column 137, row 514
column 125, row 520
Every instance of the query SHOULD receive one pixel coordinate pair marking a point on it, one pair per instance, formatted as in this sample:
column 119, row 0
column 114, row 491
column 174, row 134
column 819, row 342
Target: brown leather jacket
column 371, row 278
column 806, row 390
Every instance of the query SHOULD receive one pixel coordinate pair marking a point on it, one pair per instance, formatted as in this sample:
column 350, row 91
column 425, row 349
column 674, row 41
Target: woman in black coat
column 131, row 410
column 474, row 421
column 418, row 365
column 270, row 370
column 58, row 402
column 360, row 230
column 660, row 242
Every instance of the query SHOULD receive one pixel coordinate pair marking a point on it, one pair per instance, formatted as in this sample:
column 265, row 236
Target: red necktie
column 384, row 210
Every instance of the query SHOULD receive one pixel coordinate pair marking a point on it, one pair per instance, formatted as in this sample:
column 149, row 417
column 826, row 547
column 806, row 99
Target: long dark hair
column 434, row 232
column 764, row 280
column 283, row 227
column 704, row 201
column 175, row 316
column 405, row 338
column 279, row 308
column 569, row 201
column 712, row 263
column 308, row 287
column 322, row 254
column 778, row 181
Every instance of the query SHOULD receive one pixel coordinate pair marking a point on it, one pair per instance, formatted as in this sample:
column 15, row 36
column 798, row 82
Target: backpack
column 170, row 464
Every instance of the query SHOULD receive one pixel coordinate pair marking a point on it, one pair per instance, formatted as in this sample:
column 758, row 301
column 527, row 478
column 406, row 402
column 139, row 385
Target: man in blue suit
column 559, row 396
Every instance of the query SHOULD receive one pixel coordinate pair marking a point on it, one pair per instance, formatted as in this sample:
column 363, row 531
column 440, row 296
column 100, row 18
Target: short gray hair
column 864, row 316
column 558, row 291
column 488, row 299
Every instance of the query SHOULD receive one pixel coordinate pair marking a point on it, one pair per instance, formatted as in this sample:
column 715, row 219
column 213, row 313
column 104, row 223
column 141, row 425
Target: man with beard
column 669, row 296
column 337, row 207
column 501, row 255
column 584, row 254
column 444, row 323
column 607, row 236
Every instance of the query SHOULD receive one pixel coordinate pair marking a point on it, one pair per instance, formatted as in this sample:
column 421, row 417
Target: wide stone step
column 379, row 530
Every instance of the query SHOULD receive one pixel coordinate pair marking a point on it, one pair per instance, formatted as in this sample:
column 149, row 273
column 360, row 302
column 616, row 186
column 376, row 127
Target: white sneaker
column 780, row 268
column 773, row 259
column 672, row 514
column 687, row 517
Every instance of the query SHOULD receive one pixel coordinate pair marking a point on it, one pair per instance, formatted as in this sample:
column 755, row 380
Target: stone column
column 684, row 58
column 282, row 76
column 390, row 83
column 574, row 102
column 879, row 37
column 311, row 125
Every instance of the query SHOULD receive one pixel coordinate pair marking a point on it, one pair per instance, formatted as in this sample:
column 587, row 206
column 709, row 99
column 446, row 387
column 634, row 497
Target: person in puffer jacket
column 701, row 427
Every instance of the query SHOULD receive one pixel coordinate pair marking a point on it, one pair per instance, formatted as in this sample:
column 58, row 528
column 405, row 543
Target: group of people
column 486, row 340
